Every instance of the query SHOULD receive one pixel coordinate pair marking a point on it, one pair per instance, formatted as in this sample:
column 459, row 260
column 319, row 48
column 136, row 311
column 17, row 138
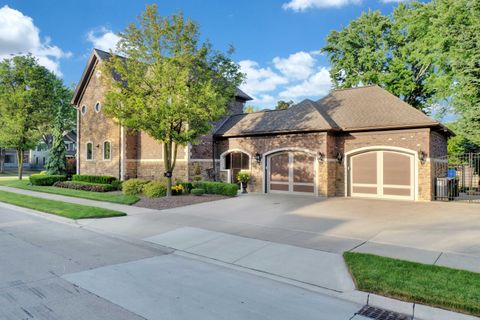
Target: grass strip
column 59, row 208
column 452, row 289
column 99, row 196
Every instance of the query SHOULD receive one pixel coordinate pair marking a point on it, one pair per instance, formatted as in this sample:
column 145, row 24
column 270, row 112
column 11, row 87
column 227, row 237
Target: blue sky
column 276, row 42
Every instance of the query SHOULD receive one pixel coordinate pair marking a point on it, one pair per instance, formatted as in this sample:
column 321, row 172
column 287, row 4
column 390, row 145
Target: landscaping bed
column 113, row 196
column 176, row 201
column 59, row 208
column 443, row 287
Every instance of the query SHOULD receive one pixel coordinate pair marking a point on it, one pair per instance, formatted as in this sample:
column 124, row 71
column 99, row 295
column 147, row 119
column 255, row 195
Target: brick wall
column 95, row 127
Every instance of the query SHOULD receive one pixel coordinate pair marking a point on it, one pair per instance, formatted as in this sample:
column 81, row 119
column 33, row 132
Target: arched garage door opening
column 388, row 174
column 291, row 172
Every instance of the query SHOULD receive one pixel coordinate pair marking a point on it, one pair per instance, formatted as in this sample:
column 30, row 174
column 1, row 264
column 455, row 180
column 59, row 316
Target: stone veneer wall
column 331, row 173
column 315, row 142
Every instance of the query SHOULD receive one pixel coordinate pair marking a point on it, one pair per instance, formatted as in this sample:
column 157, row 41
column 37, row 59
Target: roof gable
column 99, row 55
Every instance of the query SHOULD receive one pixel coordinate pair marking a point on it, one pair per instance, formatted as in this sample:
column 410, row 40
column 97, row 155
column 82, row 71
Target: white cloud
column 19, row 36
column 299, row 65
column 103, row 39
column 303, row 5
column 259, row 79
column 393, row 1
column 317, row 85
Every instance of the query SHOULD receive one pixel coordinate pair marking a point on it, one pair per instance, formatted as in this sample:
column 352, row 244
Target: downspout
column 121, row 155
column 77, row 160
column 213, row 159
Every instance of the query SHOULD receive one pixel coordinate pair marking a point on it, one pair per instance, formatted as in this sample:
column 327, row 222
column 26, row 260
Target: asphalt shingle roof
column 362, row 108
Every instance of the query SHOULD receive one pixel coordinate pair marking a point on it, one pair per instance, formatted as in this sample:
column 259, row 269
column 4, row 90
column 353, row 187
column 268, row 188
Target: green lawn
column 59, row 208
column 452, row 289
column 100, row 196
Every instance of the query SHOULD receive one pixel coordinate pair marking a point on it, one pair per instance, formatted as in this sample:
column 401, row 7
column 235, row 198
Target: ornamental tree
column 63, row 121
column 170, row 85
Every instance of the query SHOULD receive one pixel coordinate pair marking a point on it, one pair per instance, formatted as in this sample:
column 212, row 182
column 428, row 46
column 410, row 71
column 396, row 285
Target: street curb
column 417, row 311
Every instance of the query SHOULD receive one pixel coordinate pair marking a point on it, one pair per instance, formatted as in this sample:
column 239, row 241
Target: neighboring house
column 361, row 142
column 38, row 157
column 35, row 159
column 11, row 159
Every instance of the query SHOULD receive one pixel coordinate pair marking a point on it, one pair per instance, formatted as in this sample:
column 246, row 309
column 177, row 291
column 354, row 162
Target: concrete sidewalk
column 293, row 221
column 322, row 269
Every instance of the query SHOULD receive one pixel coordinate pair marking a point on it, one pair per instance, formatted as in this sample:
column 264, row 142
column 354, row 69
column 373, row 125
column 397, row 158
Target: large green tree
column 383, row 50
column 63, row 121
column 170, row 85
column 26, row 95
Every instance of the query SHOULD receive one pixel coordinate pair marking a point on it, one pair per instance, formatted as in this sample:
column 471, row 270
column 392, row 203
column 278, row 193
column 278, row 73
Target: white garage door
column 292, row 172
column 382, row 174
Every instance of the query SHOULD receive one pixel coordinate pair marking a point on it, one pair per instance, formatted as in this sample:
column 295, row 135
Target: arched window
column 107, row 153
column 89, row 151
column 235, row 162
column 98, row 107
column 83, row 109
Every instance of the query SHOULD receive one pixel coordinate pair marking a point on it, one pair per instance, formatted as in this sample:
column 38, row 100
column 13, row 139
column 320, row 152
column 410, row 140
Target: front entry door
column 292, row 172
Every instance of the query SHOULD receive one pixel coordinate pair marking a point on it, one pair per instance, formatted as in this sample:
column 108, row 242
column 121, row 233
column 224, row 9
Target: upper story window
column 89, row 151
column 98, row 107
column 83, row 109
column 107, row 153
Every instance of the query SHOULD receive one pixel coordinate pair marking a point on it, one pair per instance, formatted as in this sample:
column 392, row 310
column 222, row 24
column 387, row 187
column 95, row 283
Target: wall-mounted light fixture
column 258, row 157
column 320, row 156
column 422, row 156
column 339, row 156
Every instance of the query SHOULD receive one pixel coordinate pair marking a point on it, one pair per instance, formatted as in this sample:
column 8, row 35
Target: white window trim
column 86, row 151
column 95, row 107
column 103, row 151
column 81, row 109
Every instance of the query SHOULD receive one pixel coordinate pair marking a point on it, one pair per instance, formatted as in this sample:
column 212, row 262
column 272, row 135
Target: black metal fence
column 457, row 177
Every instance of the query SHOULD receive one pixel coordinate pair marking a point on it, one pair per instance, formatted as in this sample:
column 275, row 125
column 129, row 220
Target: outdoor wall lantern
column 422, row 156
column 339, row 157
column 320, row 156
column 258, row 157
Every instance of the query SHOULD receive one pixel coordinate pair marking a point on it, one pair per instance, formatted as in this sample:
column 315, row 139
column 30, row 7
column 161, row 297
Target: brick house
column 361, row 142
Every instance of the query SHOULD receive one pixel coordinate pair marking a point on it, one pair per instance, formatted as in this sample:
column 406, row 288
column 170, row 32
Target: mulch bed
column 176, row 201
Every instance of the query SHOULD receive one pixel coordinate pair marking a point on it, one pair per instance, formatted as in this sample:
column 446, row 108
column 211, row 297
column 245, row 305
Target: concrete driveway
column 429, row 232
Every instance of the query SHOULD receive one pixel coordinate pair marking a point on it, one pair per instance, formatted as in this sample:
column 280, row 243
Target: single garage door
column 382, row 174
column 292, row 172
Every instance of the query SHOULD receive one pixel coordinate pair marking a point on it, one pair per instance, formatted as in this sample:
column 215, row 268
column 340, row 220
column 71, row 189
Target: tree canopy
column 170, row 85
column 26, row 102
column 426, row 53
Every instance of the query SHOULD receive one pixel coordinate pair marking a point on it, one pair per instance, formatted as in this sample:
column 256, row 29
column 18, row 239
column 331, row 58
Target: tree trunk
column 20, row 163
column 2, row 160
column 169, row 160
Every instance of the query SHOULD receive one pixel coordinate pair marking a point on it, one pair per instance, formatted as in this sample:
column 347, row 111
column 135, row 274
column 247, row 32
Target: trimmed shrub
column 45, row 180
column 222, row 188
column 155, row 189
column 93, row 179
column 85, row 186
column 117, row 184
column 133, row 187
column 197, row 191
column 187, row 186
column 43, row 172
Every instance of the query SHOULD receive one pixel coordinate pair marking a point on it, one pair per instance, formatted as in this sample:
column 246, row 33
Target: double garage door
column 382, row 174
column 292, row 172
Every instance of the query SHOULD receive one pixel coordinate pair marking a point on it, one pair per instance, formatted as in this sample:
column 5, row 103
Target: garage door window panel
column 303, row 169
column 364, row 168
column 279, row 166
column 396, row 169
